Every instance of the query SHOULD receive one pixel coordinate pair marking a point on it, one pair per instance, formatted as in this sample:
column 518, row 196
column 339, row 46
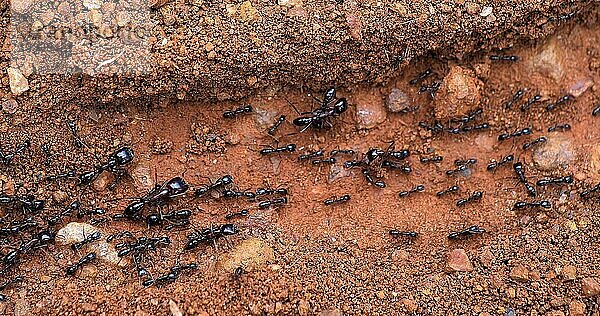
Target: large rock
column 549, row 61
column 555, row 153
column 519, row 273
column 459, row 93
column 370, row 110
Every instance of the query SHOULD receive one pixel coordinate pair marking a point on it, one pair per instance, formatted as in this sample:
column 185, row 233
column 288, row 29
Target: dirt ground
column 307, row 258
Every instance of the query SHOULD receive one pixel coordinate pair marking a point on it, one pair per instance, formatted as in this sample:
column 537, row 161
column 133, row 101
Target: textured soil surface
column 306, row 258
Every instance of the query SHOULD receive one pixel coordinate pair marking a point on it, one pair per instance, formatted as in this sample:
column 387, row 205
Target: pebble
column 459, row 93
column 303, row 307
column 92, row 4
column 590, row 287
column 486, row 11
column 142, row 178
column 595, row 161
column 8, row 184
column 555, row 153
column 370, row 110
column 155, row 4
column 10, row 106
column 338, row 172
column 250, row 253
column 248, row 13
column 289, row 3
column 331, row 312
column 519, row 273
column 76, row 232
column 410, row 305
column 580, row 87
column 549, row 62
column 102, row 182
column 355, row 25
column 21, row 6
column 175, row 311
column 397, row 100
column 576, row 308
column 555, row 313
column 569, row 273
column 18, row 82
column 458, row 261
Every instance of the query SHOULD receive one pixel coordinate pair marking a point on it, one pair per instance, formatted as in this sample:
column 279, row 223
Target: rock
column 338, row 172
column 555, row 313
column 250, row 253
column 303, row 307
column 102, row 182
column 21, row 6
column 380, row 295
column 569, row 273
column 331, row 312
column 397, row 100
column 92, row 4
column 485, row 11
column 370, row 110
column 410, row 305
column 549, row 62
column 458, row 261
column 175, row 311
column 355, row 26
column 595, row 161
column 576, row 308
column 60, row 196
column 18, row 82
column 142, row 178
column 248, row 13
column 9, row 106
column 289, row 3
column 580, row 87
column 155, row 4
column 264, row 117
column 510, row 311
column 459, row 93
column 590, row 287
column 76, row 232
column 486, row 257
column 519, row 273
column 555, row 153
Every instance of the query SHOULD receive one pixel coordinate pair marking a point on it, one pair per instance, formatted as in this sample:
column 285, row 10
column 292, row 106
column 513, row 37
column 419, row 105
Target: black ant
column 418, row 188
column 397, row 233
column 287, row 148
column 559, row 128
column 42, row 239
column 241, row 110
column 275, row 126
column 525, row 131
column 469, row 161
column 504, row 58
column 559, row 180
column 74, row 206
column 405, row 168
column 221, row 182
column 73, row 128
column 378, row 183
column 341, row 199
column 437, row 127
column 459, row 169
column 210, row 234
column 596, row 111
column 336, row 152
column 17, row 227
column 231, row 193
column 469, row 117
column 493, row 165
column 473, row 230
column 329, row 160
column 91, row 238
column 8, row 283
column 123, row 234
column 433, row 159
column 267, row 191
column 516, row 97
column 537, row 141
column 476, row 196
column 115, row 162
column 159, row 195
column 27, row 203
column 531, row 101
column 422, row 76
column 431, row 89
column 522, row 204
column 76, row 266
column 311, row 155
column 561, row 100
column 8, row 158
column 176, row 218
column 520, row 171
column 274, row 202
column 68, row 174
column 46, row 150
column 96, row 211
column 171, row 276
column 465, row 129
column 242, row 213
column 142, row 244
column 451, row 189
column 320, row 118
column 587, row 193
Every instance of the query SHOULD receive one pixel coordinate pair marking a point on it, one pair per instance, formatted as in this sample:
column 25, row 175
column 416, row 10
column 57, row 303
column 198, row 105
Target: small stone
column 555, row 153
column 289, row 3
column 555, row 313
column 7, row 184
column 370, row 110
column 590, row 287
column 175, row 311
column 397, row 100
column 45, row 278
column 250, row 253
column 9, row 106
column 458, row 261
column 355, row 26
column 21, row 6
column 18, row 82
column 519, row 273
column 486, row 257
column 122, row 18
column 569, row 273
column 459, row 93
column 248, row 13
column 331, row 312
column 102, row 182
column 155, row 4
column 89, row 307
column 486, row 11
column 161, row 146
column 576, row 308
column 303, row 307
column 595, row 161
column 549, row 61
column 96, row 17
column 580, row 87
column 92, row 4
column 209, row 46
column 380, row 295
column 142, row 178
column 410, row 305
column 59, row 196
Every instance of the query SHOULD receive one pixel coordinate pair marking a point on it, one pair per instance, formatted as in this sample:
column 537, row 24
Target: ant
column 11, row 258
column 210, row 234
column 451, row 189
column 433, row 159
column 115, row 162
column 531, row 101
column 76, row 266
column 310, row 155
column 6, row 159
column 97, row 211
column 405, row 168
column 469, row 117
column 476, row 196
column 68, row 174
column 177, row 218
column 320, row 118
column 460, row 162
column 18, row 227
column 525, row 131
column 418, row 188
column 142, row 244
column 422, row 76
column 221, row 182
column 267, row 191
column 516, row 97
column 231, row 193
column 466, row 129
column 437, row 127
column 330, row 160
column 561, row 100
column 459, row 169
column 504, row 58
column 493, row 165
column 287, row 148
column 397, row 233
column 73, row 128
column 596, row 111
column 242, row 213
column 336, row 152
column 26, row 202
column 587, row 193
column 8, row 283
column 159, row 195
column 431, row 89
column 537, row 141
column 274, row 202
column 171, row 276
column 46, row 150
column 473, row 230
column 559, row 180
column 341, row 199
column 378, row 183
column 74, row 206
column 119, row 235
column 275, row 126
column 559, row 128
column 91, row 238
column 520, row 171
column 544, row 204
column 241, row 110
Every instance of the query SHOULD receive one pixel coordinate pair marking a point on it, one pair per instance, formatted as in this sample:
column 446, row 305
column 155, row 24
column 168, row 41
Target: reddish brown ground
column 340, row 257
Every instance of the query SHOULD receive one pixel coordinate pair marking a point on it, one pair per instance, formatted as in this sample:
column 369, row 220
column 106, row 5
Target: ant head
column 123, row 155
column 340, row 106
